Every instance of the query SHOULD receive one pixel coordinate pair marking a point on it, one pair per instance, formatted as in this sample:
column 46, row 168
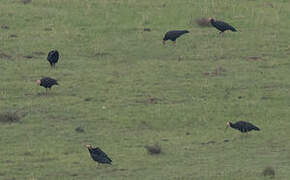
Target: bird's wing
column 50, row 81
column 179, row 33
column 101, row 153
column 225, row 25
column 251, row 126
column 173, row 35
column 53, row 56
column 168, row 34
column 97, row 151
column 49, row 55
column 56, row 54
column 240, row 125
column 220, row 25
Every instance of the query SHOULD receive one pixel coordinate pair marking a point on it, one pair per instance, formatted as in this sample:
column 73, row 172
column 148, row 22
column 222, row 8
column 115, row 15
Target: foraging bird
column 47, row 82
column 173, row 35
column 98, row 155
column 52, row 57
column 243, row 126
column 221, row 26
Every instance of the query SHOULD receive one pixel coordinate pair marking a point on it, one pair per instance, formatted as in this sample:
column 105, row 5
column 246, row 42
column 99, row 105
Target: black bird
column 243, row 126
column 52, row 57
column 98, row 155
column 173, row 35
column 221, row 26
column 47, row 82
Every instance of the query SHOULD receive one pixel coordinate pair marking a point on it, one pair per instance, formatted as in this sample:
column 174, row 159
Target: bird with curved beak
column 98, row 155
column 47, row 83
column 173, row 35
column 221, row 25
column 243, row 126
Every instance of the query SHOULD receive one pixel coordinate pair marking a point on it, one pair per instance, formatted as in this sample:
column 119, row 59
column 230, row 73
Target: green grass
column 127, row 90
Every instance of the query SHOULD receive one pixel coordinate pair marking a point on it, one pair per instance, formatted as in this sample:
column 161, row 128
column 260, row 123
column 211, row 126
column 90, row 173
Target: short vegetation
column 121, row 88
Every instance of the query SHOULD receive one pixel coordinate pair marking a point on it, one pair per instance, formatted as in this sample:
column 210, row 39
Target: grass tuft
column 269, row 171
column 26, row 1
column 5, row 56
column 9, row 117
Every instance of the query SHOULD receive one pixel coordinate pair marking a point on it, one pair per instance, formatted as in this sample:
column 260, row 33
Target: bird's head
column 164, row 39
column 228, row 124
column 38, row 81
column 88, row 146
column 211, row 19
column 163, row 42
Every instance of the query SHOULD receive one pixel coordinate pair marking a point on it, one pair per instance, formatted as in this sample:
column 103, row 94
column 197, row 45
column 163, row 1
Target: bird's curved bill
column 226, row 128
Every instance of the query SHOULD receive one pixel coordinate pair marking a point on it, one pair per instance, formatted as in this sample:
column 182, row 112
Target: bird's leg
column 221, row 33
column 45, row 91
column 174, row 43
column 98, row 165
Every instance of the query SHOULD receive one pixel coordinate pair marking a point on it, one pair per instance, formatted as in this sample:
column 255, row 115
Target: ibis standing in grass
column 53, row 57
column 221, row 26
column 242, row 126
column 47, row 82
column 98, row 155
column 173, row 35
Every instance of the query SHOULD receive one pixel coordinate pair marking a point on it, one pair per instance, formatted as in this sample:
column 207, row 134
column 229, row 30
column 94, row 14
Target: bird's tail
column 256, row 129
column 185, row 31
column 233, row 29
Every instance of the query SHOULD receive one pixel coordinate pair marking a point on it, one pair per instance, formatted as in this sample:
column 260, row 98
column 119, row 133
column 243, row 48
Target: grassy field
column 126, row 90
